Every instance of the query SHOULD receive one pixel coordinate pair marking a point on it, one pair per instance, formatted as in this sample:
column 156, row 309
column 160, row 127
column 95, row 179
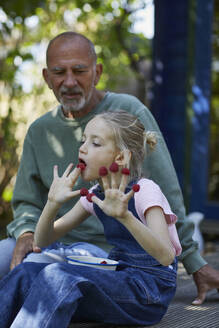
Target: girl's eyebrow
column 92, row 136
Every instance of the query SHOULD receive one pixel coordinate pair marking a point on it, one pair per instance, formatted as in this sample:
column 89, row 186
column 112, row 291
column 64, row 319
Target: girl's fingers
column 96, row 200
column 115, row 176
column 55, row 171
column 105, row 182
column 123, row 183
column 68, row 170
column 103, row 172
column 124, row 179
column 75, row 193
column 129, row 195
column 74, row 175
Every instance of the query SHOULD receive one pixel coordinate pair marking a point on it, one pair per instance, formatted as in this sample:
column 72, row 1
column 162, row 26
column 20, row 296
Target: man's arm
column 161, row 170
column 160, row 167
column 28, row 200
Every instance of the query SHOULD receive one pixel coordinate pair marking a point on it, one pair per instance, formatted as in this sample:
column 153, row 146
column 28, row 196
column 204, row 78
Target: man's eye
column 58, row 72
column 80, row 72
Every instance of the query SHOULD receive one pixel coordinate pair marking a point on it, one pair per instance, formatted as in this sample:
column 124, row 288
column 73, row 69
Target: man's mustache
column 74, row 90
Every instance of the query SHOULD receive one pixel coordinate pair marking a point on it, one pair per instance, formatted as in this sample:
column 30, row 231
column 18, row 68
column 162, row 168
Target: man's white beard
column 76, row 106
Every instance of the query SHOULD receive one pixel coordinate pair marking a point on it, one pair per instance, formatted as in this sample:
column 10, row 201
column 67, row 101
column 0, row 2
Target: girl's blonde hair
column 130, row 134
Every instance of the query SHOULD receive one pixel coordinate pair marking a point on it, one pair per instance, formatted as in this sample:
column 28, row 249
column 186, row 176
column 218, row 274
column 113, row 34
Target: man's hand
column 205, row 279
column 24, row 245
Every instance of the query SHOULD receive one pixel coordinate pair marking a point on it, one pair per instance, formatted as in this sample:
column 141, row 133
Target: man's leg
column 6, row 251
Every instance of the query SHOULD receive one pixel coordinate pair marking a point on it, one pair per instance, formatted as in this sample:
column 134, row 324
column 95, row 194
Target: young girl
column 138, row 223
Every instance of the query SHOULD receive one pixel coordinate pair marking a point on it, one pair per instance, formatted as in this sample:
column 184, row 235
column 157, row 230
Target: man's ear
column 123, row 157
column 46, row 77
column 99, row 69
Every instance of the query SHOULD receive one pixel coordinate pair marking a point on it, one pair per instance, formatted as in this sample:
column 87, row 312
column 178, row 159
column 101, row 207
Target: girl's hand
column 61, row 187
column 116, row 201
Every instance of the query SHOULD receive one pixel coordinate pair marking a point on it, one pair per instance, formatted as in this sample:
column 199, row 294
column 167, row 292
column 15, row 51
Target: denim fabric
column 39, row 295
column 46, row 256
column 49, row 295
column 57, row 252
column 6, row 250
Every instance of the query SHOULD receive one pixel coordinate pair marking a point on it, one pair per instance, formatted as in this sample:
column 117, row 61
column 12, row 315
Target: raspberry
column 103, row 262
column 84, row 192
column 103, row 171
column 81, row 166
column 125, row 171
column 114, row 167
column 89, row 197
column 136, row 187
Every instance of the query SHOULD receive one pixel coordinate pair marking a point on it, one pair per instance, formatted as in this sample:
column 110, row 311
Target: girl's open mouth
column 81, row 164
column 82, row 161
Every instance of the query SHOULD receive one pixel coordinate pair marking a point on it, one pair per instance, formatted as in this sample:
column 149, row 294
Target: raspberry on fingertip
column 125, row 171
column 103, row 171
column 89, row 197
column 84, row 192
column 114, row 167
column 136, row 187
column 81, row 166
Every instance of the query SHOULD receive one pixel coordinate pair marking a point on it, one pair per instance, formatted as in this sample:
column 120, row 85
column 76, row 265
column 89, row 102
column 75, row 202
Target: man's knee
column 6, row 250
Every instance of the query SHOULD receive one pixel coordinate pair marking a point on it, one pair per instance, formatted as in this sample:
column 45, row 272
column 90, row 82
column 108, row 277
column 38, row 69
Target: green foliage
column 21, row 8
column 107, row 23
column 8, row 161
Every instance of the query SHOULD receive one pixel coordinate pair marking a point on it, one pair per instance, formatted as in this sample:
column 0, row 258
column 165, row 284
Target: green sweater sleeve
column 27, row 201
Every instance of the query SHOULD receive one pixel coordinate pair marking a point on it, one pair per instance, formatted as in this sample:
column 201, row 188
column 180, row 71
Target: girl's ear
column 123, row 157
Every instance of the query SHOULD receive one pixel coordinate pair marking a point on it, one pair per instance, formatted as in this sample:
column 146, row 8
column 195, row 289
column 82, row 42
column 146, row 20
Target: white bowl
column 94, row 262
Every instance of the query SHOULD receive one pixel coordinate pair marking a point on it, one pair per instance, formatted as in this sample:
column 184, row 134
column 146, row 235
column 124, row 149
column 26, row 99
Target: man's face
column 72, row 74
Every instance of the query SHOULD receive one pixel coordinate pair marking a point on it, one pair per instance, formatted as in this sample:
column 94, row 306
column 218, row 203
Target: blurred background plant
column 25, row 29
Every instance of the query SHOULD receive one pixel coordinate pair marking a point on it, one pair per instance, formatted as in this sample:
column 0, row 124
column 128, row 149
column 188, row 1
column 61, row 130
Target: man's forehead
column 70, row 44
column 61, row 65
column 77, row 56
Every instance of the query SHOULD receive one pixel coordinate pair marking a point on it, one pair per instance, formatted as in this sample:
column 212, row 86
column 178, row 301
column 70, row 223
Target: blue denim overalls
column 36, row 295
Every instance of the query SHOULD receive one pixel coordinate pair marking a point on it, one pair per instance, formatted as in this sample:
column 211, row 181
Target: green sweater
column 54, row 139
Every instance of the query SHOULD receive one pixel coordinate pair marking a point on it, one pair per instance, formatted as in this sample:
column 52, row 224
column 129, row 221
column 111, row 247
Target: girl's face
column 98, row 148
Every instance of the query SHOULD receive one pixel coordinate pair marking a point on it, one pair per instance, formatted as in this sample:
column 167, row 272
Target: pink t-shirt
column 149, row 195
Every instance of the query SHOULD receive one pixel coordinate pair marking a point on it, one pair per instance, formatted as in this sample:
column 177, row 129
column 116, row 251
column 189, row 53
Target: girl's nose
column 83, row 148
